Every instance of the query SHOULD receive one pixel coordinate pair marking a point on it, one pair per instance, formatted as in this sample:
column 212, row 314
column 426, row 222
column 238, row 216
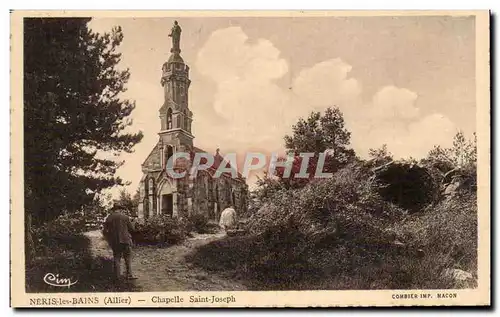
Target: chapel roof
column 218, row 160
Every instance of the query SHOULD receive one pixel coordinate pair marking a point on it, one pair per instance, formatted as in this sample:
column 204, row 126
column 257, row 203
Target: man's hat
column 117, row 207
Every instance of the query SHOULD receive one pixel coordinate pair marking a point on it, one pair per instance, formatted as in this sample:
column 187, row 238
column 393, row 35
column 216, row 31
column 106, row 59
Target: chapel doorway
column 167, row 205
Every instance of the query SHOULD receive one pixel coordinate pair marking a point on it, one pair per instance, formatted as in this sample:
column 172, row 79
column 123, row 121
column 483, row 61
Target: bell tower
column 175, row 116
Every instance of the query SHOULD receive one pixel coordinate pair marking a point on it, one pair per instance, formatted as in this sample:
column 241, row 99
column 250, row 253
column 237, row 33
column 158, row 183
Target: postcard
column 250, row 159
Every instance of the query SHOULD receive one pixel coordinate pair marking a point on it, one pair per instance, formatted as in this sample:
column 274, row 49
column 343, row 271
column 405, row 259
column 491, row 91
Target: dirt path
column 165, row 269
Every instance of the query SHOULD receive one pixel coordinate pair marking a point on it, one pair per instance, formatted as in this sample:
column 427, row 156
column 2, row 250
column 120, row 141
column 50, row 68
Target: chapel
column 161, row 194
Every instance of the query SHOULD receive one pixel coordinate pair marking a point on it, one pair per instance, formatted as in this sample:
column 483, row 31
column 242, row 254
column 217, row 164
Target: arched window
column 169, row 151
column 169, row 119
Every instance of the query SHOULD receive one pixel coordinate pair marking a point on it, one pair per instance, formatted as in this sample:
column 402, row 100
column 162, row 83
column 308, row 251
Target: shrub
column 331, row 226
column 340, row 233
column 458, row 160
column 198, row 223
column 324, row 203
column 447, row 233
column 63, row 228
column 160, row 230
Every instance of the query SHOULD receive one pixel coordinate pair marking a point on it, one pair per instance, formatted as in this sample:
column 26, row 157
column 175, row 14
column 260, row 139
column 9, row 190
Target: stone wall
column 153, row 162
column 210, row 196
column 182, row 197
column 202, row 199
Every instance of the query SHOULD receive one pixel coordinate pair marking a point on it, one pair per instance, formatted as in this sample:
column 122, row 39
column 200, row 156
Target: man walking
column 117, row 230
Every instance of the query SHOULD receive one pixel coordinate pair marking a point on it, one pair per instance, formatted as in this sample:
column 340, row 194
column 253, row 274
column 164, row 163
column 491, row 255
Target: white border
column 185, row 4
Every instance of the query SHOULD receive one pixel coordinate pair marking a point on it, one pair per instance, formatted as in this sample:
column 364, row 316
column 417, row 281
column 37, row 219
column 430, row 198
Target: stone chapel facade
column 182, row 197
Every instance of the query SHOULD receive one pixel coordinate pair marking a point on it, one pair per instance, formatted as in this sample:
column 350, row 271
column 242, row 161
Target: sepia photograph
column 205, row 158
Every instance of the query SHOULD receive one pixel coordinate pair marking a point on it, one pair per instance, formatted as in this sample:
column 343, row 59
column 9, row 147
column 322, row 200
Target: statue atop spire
column 175, row 34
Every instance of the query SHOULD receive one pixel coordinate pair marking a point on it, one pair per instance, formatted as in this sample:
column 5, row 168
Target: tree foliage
column 461, row 155
column 318, row 134
column 380, row 155
column 461, row 158
column 72, row 114
column 321, row 132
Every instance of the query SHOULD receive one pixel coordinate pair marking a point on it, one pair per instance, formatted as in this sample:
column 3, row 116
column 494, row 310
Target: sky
column 408, row 82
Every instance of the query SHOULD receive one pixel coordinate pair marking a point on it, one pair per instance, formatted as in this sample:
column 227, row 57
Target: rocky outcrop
column 456, row 181
column 459, row 278
column 228, row 219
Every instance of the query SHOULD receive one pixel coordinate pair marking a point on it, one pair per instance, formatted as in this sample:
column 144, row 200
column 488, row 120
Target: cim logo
column 55, row 280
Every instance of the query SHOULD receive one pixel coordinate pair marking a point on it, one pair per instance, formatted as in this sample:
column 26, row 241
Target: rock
column 235, row 232
column 228, row 219
column 459, row 278
column 457, row 274
column 452, row 188
column 398, row 243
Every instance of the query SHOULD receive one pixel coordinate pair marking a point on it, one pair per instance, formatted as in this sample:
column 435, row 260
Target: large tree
column 319, row 133
column 73, row 113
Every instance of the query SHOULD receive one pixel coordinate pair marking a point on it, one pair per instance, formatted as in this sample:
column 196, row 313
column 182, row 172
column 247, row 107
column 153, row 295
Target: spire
column 174, row 113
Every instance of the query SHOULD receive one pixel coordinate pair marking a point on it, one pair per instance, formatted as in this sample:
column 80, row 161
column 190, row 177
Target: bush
column 160, row 230
column 322, row 204
column 198, row 223
column 459, row 160
column 63, row 228
column 331, row 226
column 340, row 233
column 447, row 233
column 64, row 225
